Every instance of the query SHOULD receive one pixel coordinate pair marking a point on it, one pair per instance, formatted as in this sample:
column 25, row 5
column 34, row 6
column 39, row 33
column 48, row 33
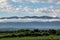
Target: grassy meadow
column 33, row 38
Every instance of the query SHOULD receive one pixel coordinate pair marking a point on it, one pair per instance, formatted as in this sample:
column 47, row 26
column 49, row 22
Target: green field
column 33, row 38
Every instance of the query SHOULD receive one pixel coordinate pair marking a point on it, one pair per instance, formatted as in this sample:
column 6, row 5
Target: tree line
column 27, row 32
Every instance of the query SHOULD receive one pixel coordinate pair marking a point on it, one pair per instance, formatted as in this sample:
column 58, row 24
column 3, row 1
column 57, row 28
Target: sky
column 29, row 8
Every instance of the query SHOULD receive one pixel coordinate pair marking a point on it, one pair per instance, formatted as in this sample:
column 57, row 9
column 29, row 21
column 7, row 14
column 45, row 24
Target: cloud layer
column 53, row 10
column 29, row 20
column 36, row 1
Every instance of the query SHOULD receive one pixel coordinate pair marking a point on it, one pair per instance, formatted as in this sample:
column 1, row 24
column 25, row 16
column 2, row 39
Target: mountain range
column 37, row 17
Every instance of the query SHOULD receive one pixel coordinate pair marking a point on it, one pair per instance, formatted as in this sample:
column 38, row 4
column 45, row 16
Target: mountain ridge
column 43, row 17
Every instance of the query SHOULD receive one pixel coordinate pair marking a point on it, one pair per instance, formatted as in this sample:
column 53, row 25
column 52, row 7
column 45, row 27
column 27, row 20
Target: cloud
column 28, row 20
column 53, row 10
column 44, row 10
column 4, row 5
column 37, row 1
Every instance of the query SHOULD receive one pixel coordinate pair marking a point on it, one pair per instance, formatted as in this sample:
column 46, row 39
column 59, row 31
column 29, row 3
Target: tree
column 52, row 31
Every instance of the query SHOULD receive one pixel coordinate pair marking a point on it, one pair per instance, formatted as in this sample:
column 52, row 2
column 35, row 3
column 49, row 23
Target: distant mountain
column 42, row 17
column 48, row 17
column 9, row 17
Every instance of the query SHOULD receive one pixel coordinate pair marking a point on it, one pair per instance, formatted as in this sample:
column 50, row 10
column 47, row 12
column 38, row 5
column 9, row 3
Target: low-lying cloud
column 28, row 20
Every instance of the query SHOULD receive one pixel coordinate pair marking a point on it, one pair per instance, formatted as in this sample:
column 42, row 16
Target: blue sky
column 29, row 8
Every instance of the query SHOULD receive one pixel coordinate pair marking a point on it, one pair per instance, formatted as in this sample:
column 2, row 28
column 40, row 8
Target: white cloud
column 28, row 20
column 53, row 10
column 37, row 1
column 4, row 6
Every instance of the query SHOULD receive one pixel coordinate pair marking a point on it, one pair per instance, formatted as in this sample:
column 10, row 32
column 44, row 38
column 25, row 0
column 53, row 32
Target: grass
column 34, row 38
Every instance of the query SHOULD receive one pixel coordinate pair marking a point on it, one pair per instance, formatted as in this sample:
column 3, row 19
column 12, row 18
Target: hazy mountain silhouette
column 43, row 17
